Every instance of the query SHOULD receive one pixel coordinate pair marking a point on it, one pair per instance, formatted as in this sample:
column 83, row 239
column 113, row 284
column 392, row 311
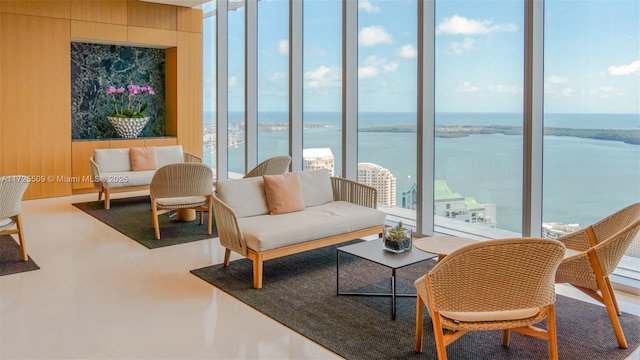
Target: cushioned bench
column 128, row 169
column 254, row 217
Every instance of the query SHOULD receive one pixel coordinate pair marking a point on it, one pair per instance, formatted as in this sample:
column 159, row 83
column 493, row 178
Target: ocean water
column 583, row 179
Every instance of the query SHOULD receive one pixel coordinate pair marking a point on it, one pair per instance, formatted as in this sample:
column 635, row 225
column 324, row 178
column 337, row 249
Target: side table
column 442, row 245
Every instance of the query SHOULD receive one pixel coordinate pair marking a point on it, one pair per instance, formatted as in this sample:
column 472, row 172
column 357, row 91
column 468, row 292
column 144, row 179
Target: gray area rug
column 299, row 291
column 11, row 257
column 132, row 217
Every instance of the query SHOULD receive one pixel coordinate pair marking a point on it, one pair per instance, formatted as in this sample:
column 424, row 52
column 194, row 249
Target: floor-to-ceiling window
column 322, row 86
column 209, row 84
column 236, row 94
column 273, row 78
column 591, row 115
column 387, row 110
column 479, row 116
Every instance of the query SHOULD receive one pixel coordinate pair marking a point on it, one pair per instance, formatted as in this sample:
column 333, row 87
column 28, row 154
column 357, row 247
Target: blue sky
column 592, row 56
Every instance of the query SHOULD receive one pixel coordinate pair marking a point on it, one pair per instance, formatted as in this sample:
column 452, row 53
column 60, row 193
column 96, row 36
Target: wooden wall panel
column 151, row 37
column 47, row 8
column 102, row 11
column 126, row 143
column 160, row 142
column 81, row 152
column 189, row 91
column 38, row 137
column 189, row 19
column 150, row 15
column 92, row 32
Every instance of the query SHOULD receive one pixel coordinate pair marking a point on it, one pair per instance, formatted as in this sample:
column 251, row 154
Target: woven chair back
column 182, row 179
column 615, row 222
column 497, row 275
column 12, row 189
column 273, row 166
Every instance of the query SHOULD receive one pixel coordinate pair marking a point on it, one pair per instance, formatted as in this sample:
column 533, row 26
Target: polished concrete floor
column 100, row 295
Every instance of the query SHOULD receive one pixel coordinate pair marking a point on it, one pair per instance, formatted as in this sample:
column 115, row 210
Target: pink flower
column 132, row 104
column 111, row 90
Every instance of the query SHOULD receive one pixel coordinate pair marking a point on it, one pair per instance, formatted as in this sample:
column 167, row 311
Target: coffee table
column 372, row 251
column 442, row 245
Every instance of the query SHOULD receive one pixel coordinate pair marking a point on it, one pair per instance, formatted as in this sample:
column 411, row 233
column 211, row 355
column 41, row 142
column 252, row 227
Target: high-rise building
column 381, row 179
column 318, row 158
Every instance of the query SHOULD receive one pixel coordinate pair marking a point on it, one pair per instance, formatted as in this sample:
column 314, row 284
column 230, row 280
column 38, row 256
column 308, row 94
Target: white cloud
column 460, row 47
column 367, row 72
column 367, row 6
column 567, row 91
column 323, row 77
column 407, row 52
column 467, row 87
column 233, row 81
column 460, row 25
column 604, row 91
column 505, row 89
column 374, row 65
column 374, row 35
column 279, row 76
column 283, row 47
column 622, row 70
column 555, row 79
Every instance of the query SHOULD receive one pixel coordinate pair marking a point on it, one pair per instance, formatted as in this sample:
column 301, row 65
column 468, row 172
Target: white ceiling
column 185, row 3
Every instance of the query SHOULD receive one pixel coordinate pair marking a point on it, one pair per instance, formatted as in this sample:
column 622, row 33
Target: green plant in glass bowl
column 397, row 239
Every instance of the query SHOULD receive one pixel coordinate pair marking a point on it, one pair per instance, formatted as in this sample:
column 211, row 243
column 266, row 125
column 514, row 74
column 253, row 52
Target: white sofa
column 111, row 169
column 335, row 210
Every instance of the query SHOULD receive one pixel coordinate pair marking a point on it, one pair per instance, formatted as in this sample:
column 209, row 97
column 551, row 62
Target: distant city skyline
column 592, row 61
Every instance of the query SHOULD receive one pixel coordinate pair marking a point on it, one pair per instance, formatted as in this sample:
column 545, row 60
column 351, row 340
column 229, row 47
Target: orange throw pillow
column 283, row 193
column 142, row 158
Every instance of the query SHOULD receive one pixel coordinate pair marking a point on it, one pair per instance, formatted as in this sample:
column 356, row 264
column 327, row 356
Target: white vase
column 128, row 128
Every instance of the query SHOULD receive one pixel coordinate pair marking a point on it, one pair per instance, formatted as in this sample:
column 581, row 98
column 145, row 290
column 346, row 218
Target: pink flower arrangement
column 129, row 105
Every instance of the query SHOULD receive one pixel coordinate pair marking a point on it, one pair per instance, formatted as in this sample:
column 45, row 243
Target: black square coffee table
column 372, row 251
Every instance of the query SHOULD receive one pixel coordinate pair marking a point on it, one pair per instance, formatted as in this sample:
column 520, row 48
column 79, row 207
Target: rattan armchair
column 272, row 166
column 182, row 186
column 12, row 189
column 594, row 253
column 504, row 284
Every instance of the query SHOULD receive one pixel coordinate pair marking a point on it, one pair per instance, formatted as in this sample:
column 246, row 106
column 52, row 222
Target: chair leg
column 607, row 298
column 551, row 330
column 210, row 219
column 439, row 336
column 154, row 215
column 506, row 335
column 613, row 295
column 613, row 314
column 227, row 256
column 99, row 195
column 23, row 245
column 419, row 326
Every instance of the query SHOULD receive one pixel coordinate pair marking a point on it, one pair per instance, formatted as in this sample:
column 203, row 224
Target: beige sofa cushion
column 112, row 160
column 245, row 196
column 476, row 316
column 316, row 187
column 166, row 155
column 283, row 193
column 275, row 231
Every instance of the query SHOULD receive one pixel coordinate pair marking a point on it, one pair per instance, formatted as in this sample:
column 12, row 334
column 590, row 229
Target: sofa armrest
column 95, row 174
column 190, row 158
column 354, row 192
column 228, row 229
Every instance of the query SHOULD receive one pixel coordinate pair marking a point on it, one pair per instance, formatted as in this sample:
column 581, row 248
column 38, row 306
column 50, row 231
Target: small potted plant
column 397, row 239
column 128, row 116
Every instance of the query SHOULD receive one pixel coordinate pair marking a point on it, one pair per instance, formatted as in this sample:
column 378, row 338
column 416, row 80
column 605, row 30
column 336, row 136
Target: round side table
column 442, row 245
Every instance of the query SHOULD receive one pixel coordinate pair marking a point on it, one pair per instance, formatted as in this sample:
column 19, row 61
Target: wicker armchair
column 272, row 166
column 594, row 253
column 504, row 284
column 11, row 190
column 182, row 186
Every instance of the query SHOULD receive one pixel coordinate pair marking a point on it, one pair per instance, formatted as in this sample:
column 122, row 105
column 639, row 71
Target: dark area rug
column 132, row 217
column 299, row 291
column 11, row 257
